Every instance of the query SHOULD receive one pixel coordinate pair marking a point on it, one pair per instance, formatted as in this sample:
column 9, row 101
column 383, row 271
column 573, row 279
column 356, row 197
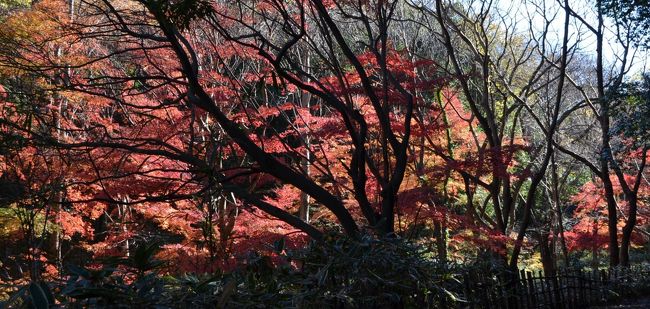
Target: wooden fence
column 566, row 290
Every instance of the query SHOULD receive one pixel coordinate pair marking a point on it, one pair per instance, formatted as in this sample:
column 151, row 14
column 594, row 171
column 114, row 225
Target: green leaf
column 15, row 297
column 228, row 290
column 39, row 297
column 279, row 245
column 48, row 292
column 79, row 271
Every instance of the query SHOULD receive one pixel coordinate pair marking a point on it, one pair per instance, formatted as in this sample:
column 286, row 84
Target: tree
column 217, row 126
column 194, row 99
column 601, row 100
column 502, row 73
column 590, row 231
column 632, row 15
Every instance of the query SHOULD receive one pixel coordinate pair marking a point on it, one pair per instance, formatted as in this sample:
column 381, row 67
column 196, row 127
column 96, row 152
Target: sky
column 523, row 11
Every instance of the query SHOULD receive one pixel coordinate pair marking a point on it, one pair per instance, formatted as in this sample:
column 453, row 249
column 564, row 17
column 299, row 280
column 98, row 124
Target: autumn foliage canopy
column 216, row 128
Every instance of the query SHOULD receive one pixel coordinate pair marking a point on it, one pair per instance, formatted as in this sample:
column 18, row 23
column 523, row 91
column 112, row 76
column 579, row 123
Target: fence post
column 603, row 285
column 569, row 285
column 558, row 303
column 484, row 289
column 523, row 290
column 581, row 284
column 542, row 289
column 569, row 288
column 501, row 291
column 489, row 288
column 595, row 287
column 532, row 289
column 468, row 290
column 613, row 281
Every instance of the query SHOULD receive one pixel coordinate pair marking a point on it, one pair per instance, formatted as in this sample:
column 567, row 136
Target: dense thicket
column 215, row 129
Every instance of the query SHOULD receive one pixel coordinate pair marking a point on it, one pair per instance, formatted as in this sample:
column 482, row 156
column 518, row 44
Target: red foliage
column 590, row 231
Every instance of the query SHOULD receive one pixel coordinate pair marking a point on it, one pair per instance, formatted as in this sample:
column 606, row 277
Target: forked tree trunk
column 627, row 231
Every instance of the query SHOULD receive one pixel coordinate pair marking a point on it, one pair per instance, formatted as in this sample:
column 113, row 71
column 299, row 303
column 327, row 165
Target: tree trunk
column 546, row 254
column 440, row 231
column 612, row 217
column 558, row 210
column 627, row 232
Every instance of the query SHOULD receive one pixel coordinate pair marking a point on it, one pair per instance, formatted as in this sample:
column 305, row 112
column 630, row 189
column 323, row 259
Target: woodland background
column 142, row 141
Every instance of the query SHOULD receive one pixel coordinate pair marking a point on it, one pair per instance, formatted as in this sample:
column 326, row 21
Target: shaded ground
column 643, row 302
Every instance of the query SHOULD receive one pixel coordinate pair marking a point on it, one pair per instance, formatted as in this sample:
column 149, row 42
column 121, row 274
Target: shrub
column 340, row 273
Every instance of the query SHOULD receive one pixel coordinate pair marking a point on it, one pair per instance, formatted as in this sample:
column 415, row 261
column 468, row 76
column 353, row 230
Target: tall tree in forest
column 157, row 73
column 601, row 99
column 501, row 73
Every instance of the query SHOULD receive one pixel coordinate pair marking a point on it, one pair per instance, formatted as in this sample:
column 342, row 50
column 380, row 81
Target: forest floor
column 643, row 302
